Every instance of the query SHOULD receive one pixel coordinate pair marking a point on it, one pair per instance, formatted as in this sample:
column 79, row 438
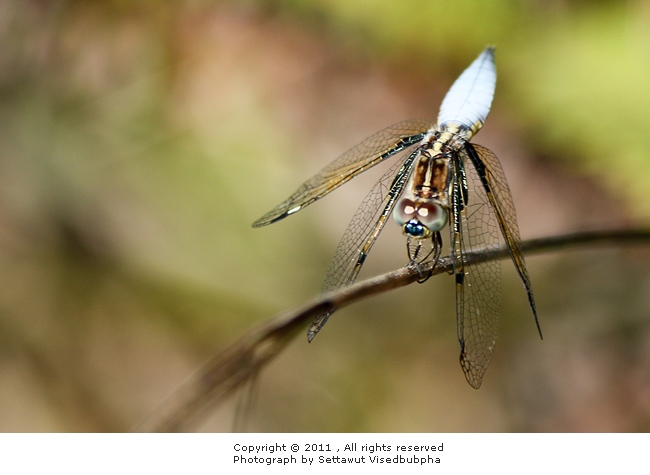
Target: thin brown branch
column 222, row 375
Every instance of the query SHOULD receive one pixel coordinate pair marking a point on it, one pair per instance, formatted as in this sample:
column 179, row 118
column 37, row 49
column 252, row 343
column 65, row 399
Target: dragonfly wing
column 367, row 154
column 494, row 183
column 363, row 231
column 478, row 286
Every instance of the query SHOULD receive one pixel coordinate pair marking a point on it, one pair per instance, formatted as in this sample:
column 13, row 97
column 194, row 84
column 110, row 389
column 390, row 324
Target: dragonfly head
column 419, row 218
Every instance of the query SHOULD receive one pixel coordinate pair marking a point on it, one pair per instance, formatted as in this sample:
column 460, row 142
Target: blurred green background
column 139, row 140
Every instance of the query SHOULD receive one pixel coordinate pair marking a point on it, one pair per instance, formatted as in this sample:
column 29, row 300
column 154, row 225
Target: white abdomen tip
column 468, row 101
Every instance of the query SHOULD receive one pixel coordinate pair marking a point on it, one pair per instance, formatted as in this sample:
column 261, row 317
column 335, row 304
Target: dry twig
column 239, row 363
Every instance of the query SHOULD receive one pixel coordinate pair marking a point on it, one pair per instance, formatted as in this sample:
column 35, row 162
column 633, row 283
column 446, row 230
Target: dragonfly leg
column 419, row 254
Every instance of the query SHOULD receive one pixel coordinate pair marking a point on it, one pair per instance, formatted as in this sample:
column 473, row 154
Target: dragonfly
column 441, row 179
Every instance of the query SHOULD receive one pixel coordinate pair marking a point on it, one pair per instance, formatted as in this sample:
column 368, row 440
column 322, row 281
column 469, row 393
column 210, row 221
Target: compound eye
column 431, row 215
column 416, row 230
column 404, row 211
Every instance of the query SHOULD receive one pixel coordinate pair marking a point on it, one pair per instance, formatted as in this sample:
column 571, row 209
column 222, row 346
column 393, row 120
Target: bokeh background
column 139, row 140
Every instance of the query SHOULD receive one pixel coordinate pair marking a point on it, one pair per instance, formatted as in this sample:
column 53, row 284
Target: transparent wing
column 367, row 154
column 365, row 226
column 489, row 207
column 498, row 193
column 478, row 286
column 363, row 230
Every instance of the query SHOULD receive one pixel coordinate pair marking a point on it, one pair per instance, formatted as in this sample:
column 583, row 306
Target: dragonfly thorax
column 419, row 218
